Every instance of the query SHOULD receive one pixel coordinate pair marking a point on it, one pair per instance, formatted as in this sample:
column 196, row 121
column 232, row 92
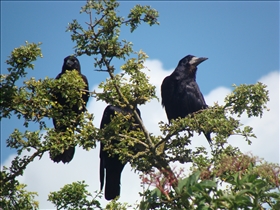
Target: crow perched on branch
column 180, row 92
column 70, row 63
column 110, row 165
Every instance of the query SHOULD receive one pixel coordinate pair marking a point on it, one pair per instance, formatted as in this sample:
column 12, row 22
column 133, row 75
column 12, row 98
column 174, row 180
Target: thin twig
column 135, row 139
column 138, row 119
column 101, row 70
column 97, row 22
column 127, row 21
column 23, row 166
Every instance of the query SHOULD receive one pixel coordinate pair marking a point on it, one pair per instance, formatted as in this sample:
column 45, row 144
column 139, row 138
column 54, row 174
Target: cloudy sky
column 241, row 40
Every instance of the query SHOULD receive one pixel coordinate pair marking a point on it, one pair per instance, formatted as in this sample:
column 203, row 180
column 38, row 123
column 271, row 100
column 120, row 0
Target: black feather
column 180, row 92
column 70, row 63
column 110, row 166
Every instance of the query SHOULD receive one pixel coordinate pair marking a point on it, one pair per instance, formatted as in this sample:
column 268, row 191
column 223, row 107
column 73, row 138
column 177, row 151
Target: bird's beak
column 196, row 60
column 69, row 62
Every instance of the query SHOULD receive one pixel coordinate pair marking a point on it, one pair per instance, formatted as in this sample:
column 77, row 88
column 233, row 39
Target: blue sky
column 241, row 40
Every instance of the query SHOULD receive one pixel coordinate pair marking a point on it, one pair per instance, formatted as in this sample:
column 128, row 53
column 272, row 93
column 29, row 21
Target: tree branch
column 23, row 166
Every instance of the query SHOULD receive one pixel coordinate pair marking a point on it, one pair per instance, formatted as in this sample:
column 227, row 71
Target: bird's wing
column 192, row 98
column 167, row 90
column 86, row 94
column 59, row 75
column 196, row 102
column 107, row 114
column 57, row 97
column 111, row 164
column 68, row 154
column 106, row 119
column 101, row 167
column 171, row 97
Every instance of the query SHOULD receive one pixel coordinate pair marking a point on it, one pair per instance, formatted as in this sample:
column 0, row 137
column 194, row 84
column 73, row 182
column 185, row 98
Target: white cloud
column 266, row 145
column 45, row 176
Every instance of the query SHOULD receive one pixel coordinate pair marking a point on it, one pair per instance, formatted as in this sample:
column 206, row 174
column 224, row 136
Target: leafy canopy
column 251, row 182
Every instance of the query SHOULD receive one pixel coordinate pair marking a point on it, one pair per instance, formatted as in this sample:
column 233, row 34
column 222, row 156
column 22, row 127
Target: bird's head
column 71, row 63
column 188, row 65
column 191, row 60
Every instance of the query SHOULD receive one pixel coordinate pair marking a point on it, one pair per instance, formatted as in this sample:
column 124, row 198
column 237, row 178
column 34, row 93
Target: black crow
column 111, row 166
column 70, row 63
column 180, row 93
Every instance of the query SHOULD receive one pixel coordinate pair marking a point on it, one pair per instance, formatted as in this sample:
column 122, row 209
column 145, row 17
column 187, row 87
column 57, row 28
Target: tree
column 251, row 182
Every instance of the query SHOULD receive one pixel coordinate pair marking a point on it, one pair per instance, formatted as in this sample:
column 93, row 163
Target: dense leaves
column 21, row 59
column 14, row 195
column 74, row 196
column 250, row 182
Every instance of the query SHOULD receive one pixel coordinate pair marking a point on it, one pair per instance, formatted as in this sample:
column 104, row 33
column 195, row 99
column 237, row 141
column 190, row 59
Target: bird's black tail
column 66, row 156
column 113, row 182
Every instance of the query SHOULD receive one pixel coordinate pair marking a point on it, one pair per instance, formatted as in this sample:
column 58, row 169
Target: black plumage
column 110, row 166
column 180, row 92
column 70, row 63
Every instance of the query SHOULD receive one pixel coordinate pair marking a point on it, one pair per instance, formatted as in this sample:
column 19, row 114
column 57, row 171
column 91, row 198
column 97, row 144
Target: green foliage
column 247, row 190
column 249, row 98
column 21, row 58
column 191, row 193
column 251, row 183
column 130, row 87
column 74, row 196
column 102, row 36
column 34, row 102
column 117, row 205
column 14, row 195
